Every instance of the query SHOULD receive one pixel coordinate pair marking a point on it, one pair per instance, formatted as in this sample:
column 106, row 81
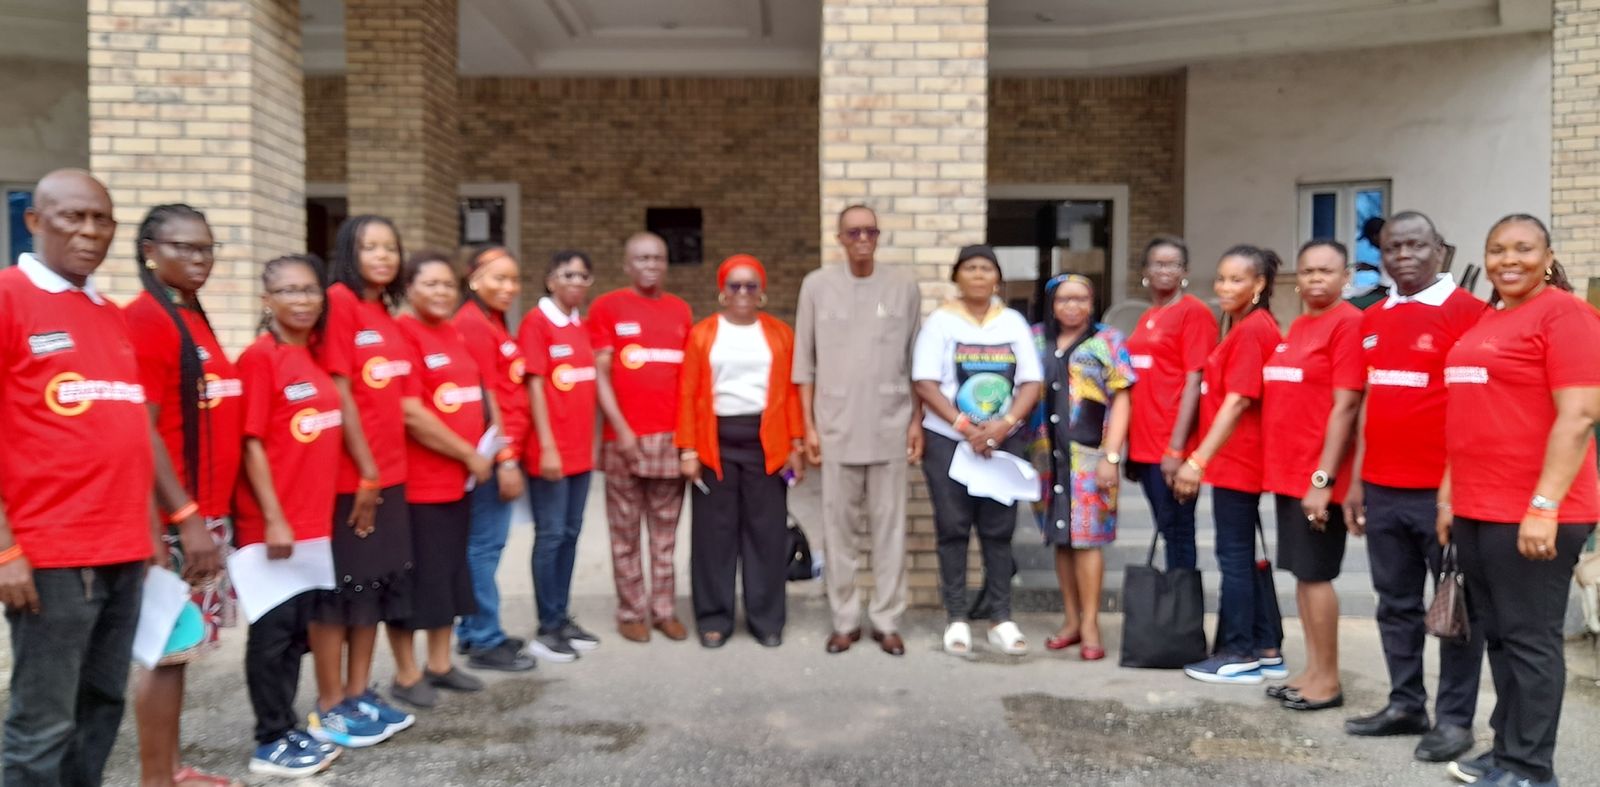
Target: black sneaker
column 1473, row 770
column 505, row 657
column 580, row 640
column 552, row 647
column 453, row 679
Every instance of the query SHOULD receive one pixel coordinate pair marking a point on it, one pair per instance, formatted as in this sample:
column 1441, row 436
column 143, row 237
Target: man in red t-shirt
column 76, row 514
column 1393, row 497
column 638, row 334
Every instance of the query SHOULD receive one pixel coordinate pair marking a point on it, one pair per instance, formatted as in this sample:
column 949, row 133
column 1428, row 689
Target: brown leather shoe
column 891, row 643
column 840, row 641
column 672, row 629
column 636, row 631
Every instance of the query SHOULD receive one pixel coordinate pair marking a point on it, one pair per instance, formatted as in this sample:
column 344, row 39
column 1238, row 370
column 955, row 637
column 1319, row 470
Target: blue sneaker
column 330, row 752
column 286, row 757
column 348, row 726
column 1223, row 668
column 1273, row 667
column 1504, row 778
column 391, row 717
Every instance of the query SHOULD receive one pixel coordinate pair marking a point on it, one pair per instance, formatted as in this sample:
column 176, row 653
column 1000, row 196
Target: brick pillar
column 200, row 102
column 400, row 82
column 904, row 123
column 1575, row 154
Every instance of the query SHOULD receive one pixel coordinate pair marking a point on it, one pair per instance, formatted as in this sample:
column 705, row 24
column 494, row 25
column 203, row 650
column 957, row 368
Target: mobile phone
column 701, row 485
column 788, row 477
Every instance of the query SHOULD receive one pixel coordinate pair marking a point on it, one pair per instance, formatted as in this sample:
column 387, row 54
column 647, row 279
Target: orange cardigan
column 781, row 422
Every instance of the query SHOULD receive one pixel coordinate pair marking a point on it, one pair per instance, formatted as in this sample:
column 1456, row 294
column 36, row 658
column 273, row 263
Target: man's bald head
column 644, row 259
column 71, row 223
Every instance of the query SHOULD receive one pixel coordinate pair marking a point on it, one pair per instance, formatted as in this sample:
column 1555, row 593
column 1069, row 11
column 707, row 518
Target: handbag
column 1447, row 615
column 1163, row 615
column 800, row 567
column 1267, row 593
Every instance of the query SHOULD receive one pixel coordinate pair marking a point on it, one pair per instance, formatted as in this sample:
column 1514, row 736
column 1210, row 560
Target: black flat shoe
column 1389, row 721
column 713, row 639
column 1293, row 701
column 1444, row 743
column 769, row 640
column 1277, row 691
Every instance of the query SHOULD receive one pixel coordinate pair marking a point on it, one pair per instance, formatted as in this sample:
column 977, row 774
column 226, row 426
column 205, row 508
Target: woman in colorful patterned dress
column 1087, row 404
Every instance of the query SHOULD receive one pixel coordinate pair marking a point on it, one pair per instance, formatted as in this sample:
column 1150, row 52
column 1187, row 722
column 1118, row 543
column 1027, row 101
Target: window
column 14, row 236
column 483, row 220
column 1340, row 211
column 681, row 229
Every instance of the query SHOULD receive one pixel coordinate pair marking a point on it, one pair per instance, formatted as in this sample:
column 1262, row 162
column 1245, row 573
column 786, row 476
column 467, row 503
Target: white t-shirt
column 741, row 365
column 976, row 365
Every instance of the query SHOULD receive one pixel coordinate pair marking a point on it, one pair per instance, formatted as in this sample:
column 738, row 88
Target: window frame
column 6, row 187
column 1345, row 192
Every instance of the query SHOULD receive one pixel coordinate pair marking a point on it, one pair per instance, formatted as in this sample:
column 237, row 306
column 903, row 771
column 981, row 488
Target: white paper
column 165, row 593
column 488, row 445
column 263, row 584
column 477, row 229
column 1002, row 477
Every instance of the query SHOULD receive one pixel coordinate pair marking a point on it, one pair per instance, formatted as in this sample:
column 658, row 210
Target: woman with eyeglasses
column 740, row 438
column 193, row 397
column 559, row 451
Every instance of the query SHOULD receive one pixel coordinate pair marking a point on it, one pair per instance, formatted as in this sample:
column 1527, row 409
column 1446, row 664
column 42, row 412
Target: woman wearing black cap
column 976, row 370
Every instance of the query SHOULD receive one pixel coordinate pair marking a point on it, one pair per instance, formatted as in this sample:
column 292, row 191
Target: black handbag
column 1267, row 592
column 1163, row 615
column 1447, row 615
column 799, row 553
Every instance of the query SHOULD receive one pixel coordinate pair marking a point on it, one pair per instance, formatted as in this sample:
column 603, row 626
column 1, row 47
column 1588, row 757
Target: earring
column 1145, row 282
column 151, row 264
column 1548, row 273
column 722, row 298
column 1297, row 289
column 1183, row 284
column 473, row 287
column 763, row 302
column 1255, row 299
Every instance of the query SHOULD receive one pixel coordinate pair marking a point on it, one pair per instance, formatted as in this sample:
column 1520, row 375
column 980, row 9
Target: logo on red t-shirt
column 307, row 425
column 379, row 370
column 217, row 388
column 634, row 356
column 518, row 371
column 1425, row 344
column 449, row 397
column 69, row 394
column 566, row 376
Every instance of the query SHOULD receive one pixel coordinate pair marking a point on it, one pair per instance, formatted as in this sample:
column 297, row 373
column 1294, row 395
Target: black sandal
column 1293, row 700
column 713, row 639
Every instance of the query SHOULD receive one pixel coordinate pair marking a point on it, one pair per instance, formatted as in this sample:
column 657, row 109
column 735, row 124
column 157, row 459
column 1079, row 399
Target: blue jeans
column 491, row 521
column 1247, row 621
column 557, row 520
column 1174, row 520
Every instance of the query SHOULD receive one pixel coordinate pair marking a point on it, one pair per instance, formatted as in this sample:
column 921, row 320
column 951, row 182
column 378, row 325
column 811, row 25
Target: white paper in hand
column 165, row 593
column 488, row 445
column 1002, row 477
column 263, row 584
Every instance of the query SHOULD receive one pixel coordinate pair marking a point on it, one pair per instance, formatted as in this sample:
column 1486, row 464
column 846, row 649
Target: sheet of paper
column 165, row 593
column 1002, row 477
column 488, row 445
column 263, row 584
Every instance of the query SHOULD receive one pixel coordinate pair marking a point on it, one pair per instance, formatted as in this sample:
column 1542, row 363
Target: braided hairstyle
column 312, row 262
column 1558, row 275
column 191, row 370
column 345, row 265
column 1265, row 263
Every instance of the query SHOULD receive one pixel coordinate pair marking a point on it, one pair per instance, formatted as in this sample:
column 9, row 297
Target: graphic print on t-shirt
column 985, row 377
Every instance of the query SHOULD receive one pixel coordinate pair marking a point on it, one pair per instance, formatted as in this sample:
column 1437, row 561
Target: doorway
column 1037, row 239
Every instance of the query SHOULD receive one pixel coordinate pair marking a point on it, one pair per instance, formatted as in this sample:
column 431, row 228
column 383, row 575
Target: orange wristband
column 10, row 554
column 1173, row 452
column 187, row 510
column 1196, row 462
column 1543, row 513
column 505, row 455
column 368, row 486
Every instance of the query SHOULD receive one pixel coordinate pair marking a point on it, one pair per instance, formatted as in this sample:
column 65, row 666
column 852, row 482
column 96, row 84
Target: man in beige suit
column 854, row 328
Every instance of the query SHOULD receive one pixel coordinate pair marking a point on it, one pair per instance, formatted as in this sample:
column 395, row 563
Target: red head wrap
column 740, row 260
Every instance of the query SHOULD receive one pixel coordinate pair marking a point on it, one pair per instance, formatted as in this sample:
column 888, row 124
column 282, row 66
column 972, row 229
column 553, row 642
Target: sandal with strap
column 1008, row 638
column 191, row 775
column 958, row 639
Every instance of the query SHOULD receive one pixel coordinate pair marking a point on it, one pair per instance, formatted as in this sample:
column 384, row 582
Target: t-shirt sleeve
column 1243, row 373
column 411, row 351
column 602, row 326
column 1199, row 338
column 338, row 344
column 155, row 349
column 805, row 327
column 1349, row 366
column 927, row 359
column 1029, row 369
column 535, row 346
column 1570, row 335
column 480, row 345
column 255, row 373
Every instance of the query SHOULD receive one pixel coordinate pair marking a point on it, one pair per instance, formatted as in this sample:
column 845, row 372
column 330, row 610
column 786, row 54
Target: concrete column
column 404, row 138
column 1575, row 153
column 904, row 121
column 199, row 101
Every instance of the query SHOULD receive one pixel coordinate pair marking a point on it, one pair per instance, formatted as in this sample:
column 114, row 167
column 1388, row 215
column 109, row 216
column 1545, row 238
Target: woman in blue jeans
column 559, row 452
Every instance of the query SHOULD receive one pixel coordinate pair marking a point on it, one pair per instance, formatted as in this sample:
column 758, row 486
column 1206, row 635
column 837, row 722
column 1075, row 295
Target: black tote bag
column 1163, row 615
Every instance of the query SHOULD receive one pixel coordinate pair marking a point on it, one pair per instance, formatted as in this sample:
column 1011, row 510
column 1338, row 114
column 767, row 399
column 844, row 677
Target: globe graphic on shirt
column 983, row 396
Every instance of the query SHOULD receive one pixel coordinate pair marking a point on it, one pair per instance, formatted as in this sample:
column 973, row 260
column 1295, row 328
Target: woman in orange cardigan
column 739, row 439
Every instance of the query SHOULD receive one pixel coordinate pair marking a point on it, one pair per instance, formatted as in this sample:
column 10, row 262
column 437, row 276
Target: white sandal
column 958, row 639
column 1008, row 638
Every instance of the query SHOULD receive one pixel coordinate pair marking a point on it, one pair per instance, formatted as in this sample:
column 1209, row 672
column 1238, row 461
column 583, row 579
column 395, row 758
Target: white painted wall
column 44, row 118
column 1461, row 128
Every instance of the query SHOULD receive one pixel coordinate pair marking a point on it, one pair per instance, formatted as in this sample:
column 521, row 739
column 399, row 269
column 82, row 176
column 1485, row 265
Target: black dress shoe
column 1389, row 721
column 713, row 639
column 769, row 640
column 1444, row 743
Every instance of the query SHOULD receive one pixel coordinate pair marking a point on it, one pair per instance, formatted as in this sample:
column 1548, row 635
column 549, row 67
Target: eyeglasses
column 737, row 287
column 581, row 277
column 191, row 250
column 297, row 293
column 857, row 233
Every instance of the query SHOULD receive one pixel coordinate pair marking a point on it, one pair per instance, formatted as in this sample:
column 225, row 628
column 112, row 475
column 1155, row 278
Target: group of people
column 404, row 441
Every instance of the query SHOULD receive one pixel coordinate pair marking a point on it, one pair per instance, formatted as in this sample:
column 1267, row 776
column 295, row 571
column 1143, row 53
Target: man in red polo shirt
column 1393, row 498
column 638, row 334
column 76, row 515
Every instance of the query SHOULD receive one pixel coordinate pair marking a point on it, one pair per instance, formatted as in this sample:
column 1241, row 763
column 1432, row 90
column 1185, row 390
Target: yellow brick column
column 404, row 139
column 200, row 102
column 1575, row 153
column 904, row 121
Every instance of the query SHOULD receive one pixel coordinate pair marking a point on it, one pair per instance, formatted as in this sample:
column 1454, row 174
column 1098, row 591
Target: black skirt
column 1310, row 555
column 373, row 573
column 441, row 583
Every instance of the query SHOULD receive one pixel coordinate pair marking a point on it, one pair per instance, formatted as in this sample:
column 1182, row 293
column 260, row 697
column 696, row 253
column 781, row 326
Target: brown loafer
column 890, row 642
column 841, row 641
column 635, row 631
column 672, row 629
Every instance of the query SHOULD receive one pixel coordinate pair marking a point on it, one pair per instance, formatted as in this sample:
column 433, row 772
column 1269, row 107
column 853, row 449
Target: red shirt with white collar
column 77, row 471
column 1168, row 343
column 364, row 345
column 1499, row 381
column 559, row 355
column 1235, row 367
column 452, row 389
column 1322, row 354
column 646, row 337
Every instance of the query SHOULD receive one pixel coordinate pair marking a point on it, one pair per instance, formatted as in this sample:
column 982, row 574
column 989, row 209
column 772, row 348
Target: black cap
column 982, row 250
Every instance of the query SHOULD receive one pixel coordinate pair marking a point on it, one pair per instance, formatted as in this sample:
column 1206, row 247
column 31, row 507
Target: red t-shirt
column 157, row 344
column 451, row 387
column 1168, row 343
column 1321, row 355
column 1235, row 367
column 364, row 345
column 76, row 472
column 560, row 356
column 291, row 406
column 1405, row 353
column 1499, row 380
column 646, row 337
column 499, row 359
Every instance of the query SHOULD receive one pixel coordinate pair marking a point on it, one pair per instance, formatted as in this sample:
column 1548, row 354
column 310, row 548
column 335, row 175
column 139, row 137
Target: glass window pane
column 1368, row 205
column 1324, row 215
column 17, row 203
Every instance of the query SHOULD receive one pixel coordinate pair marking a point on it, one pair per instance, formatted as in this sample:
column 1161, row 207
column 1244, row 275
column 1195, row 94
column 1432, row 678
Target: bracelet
column 1196, row 462
column 505, row 455
column 1543, row 513
column 184, row 511
column 689, row 454
column 368, row 485
column 1010, row 419
column 961, row 423
column 1173, row 453
column 1443, row 507
column 11, row 553
column 509, row 464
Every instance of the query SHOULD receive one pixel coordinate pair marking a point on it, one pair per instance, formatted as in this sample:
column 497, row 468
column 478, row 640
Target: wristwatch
column 1543, row 503
column 1114, row 458
column 1321, row 480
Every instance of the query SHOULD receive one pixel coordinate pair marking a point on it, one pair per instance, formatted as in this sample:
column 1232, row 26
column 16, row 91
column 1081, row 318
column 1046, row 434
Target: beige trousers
column 877, row 494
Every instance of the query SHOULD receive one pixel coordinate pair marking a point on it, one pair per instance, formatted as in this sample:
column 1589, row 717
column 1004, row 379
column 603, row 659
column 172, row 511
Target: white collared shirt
column 50, row 281
column 1434, row 294
column 558, row 317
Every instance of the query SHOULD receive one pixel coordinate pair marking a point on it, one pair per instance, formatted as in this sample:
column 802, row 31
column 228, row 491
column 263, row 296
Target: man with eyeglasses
column 854, row 330
column 638, row 333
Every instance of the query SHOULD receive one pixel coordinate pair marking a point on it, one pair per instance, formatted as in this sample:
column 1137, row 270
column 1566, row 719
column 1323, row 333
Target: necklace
column 1150, row 322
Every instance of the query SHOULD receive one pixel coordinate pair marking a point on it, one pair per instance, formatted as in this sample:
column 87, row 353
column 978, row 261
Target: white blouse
column 741, row 365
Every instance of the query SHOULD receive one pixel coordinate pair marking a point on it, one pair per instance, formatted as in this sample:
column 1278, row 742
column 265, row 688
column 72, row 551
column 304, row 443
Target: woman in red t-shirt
column 1311, row 392
column 1168, row 350
column 193, row 397
column 1523, row 398
column 446, row 415
column 1229, row 458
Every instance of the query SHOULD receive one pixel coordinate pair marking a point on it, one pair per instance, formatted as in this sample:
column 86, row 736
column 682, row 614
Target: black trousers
column 1403, row 552
column 1522, row 605
column 277, row 643
column 740, row 525
column 955, row 515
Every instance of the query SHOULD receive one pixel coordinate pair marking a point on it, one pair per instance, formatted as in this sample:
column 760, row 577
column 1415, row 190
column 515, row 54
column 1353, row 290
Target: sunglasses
column 737, row 287
column 857, row 233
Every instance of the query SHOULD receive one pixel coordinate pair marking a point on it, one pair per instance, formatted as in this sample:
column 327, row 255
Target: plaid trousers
column 651, row 491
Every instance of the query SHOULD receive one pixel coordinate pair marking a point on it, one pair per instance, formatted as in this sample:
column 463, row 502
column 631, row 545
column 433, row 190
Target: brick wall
column 1575, row 152
column 327, row 133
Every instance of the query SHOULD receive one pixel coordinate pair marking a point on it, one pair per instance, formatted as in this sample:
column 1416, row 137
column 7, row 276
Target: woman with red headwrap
column 739, row 438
